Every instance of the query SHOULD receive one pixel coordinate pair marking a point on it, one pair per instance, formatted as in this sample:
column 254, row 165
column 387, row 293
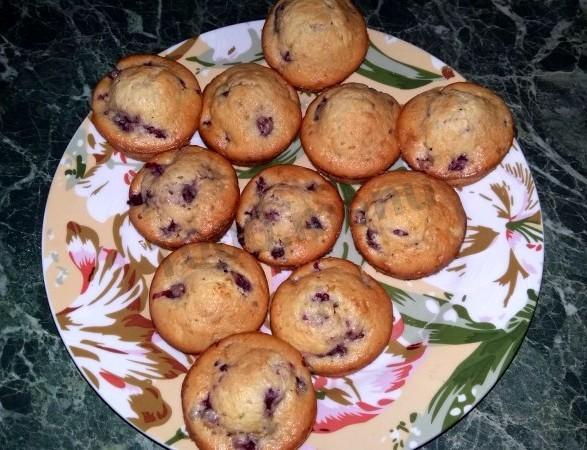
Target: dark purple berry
column 135, row 199
column 272, row 215
column 225, row 93
column 240, row 235
column 156, row 169
column 125, row 122
column 244, row 443
column 319, row 108
column 174, row 291
column 459, row 163
column 206, row 412
column 157, row 132
column 242, row 282
column 265, row 125
column 314, row 223
column 223, row 367
column 300, row 385
column 277, row 252
column 114, row 74
column 400, row 232
column 103, row 96
column 321, row 297
column 371, row 239
column 286, row 56
column 339, row 350
column 353, row 335
column 261, row 186
column 316, row 266
column 253, row 213
column 272, row 399
column 311, row 187
column 359, row 217
column 171, row 228
column 189, row 192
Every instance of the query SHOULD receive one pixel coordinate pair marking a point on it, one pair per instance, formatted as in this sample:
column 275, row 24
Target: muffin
column 458, row 133
column 289, row 215
column 250, row 392
column 314, row 44
column 336, row 315
column 407, row 224
column 250, row 114
column 204, row 292
column 349, row 132
column 183, row 196
column 147, row 105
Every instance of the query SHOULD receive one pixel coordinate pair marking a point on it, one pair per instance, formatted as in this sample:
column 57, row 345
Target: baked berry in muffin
column 407, row 224
column 349, row 132
column 289, row 215
column 250, row 114
column 204, row 292
column 182, row 196
column 336, row 315
column 458, row 133
column 250, row 391
column 147, row 105
column 314, row 43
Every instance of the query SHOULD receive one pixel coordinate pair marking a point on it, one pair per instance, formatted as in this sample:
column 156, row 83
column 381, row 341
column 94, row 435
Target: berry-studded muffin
column 289, row 215
column 250, row 114
column 182, row 196
column 407, row 224
column 250, row 391
column 458, row 133
column 204, row 292
column 147, row 105
column 336, row 315
column 349, row 132
column 314, row 44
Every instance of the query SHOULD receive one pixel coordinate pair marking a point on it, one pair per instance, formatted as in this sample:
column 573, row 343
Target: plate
column 455, row 332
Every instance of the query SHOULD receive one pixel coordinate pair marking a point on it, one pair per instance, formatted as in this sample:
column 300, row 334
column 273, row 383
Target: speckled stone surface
column 533, row 52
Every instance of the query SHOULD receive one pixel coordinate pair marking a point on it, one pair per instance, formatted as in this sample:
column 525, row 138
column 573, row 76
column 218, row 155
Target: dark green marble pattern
column 533, row 52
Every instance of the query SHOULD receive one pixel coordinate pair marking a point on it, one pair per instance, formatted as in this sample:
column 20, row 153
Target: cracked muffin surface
column 204, row 292
column 289, row 215
column 314, row 44
column 250, row 114
column 349, row 132
column 336, row 315
column 146, row 105
column 407, row 224
column 249, row 391
column 182, row 196
column 458, row 133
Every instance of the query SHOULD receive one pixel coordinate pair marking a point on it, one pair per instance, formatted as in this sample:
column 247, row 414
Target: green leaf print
column 287, row 157
column 379, row 67
column 348, row 192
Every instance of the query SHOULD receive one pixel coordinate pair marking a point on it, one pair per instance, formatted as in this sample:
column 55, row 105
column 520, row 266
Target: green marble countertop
column 534, row 53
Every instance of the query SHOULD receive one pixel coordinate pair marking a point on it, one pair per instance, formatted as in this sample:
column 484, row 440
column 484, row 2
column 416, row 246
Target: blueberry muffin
column 289, row 215
column 407, row 224
column 458, row 133
column 147, row 105
column 250, row 391
column 336, row 315
column 204, row 292
column 314, row 44
column 182, row 196
column 250, row 114
column 349, row 132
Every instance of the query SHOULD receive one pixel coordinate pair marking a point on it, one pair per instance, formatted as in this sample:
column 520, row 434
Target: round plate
column 455, row 332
